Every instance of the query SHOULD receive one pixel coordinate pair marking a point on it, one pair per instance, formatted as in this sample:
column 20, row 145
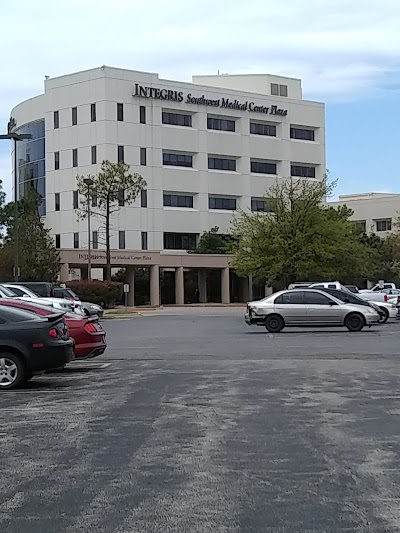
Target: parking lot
column 194, row 422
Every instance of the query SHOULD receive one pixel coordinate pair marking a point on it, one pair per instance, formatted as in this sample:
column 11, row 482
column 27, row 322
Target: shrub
column 104, row 293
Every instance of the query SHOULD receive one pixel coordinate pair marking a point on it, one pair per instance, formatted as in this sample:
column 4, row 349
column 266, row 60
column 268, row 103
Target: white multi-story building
column 206, row 149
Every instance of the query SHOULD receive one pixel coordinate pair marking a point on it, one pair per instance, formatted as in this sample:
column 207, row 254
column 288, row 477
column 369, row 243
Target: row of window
column 183, row 119
column 95, row 240
column 186, row 160
column 384, row 224
column 176, row 200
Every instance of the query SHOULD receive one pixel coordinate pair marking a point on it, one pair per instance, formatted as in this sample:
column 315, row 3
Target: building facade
column 206, row 149
column 373, row 212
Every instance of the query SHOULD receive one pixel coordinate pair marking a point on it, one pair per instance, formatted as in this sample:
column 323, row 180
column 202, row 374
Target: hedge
column 104, row 293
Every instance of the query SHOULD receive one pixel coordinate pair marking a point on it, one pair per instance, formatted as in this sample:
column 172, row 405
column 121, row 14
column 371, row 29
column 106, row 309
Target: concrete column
column 179, row 286
column 64, row 272
column 225, row 286
column 202, row 282
column 250, row 288
column 130, row 278
column 155, row 285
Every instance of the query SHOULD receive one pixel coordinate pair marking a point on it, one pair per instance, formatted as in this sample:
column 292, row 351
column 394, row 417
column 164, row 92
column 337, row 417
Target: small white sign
column 381, row 283
column 126, row 287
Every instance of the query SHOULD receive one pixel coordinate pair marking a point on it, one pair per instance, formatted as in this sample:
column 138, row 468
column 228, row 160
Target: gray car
column 308, row 307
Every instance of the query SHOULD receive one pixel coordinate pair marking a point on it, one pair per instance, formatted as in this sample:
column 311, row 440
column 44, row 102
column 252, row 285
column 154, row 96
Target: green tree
column 302, row 239
column 112, row 186
column 212, row 242
column 38, row 258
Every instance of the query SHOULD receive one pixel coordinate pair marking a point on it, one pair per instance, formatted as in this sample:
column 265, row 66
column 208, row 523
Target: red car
column 87, row 332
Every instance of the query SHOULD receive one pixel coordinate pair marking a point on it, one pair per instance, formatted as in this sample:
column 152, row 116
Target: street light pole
column 16, row 137
column 89, row 183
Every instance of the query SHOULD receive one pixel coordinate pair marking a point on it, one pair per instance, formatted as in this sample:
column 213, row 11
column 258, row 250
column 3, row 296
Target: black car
column 349, row 297
column 30, row 344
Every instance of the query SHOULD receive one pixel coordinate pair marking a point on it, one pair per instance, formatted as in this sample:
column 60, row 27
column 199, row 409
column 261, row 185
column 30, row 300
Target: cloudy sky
column 347, row 53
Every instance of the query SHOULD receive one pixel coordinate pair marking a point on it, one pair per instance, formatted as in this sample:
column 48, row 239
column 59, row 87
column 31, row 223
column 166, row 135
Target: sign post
column 126, row 290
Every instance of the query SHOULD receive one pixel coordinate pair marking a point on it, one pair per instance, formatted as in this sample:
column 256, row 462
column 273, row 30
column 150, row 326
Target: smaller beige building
column 373, row 212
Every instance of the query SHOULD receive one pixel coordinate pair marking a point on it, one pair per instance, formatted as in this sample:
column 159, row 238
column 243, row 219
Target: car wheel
column 354, row 322
column 274, row 323
column 12, row 371
column 385, row 318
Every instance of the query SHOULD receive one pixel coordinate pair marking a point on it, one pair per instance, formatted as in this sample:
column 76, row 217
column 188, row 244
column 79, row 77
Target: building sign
column 116, row 257
column 179, row 96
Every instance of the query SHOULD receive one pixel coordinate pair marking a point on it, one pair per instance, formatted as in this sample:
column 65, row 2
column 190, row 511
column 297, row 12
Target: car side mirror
column 331, row 303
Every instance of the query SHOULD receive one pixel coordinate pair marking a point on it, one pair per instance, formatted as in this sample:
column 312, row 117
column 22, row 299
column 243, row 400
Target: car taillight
column 385, row 297
column 53, row 332
column 90, row 328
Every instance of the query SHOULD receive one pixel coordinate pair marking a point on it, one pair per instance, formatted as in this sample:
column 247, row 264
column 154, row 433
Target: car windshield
column 8, row 292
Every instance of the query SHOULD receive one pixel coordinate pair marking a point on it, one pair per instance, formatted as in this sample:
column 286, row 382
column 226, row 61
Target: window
column 57, row 201
column 178, row 200
column 142, row 114
column 144, row 240
column 263, row 129
column 74, row 116
column 143, row 198
column 218, row 163
column 259, row 167
column 220, row 124
column 315, row 298
column 120, row 155
column 75, row 157
column 58, row 241
column 360, row 226
column 180, row 241
column 56, row 117
column 93, row 112
column 143, row 158
column 121, row 198
column 228, row 204
column 290, row 298
column 302, row 172
column 177, row 119
column 120, row 112
column 94, row 154
column 94, row 199
column 177, row 160
column 95, row 240
column 56, row 160
column 76, row 240
column 302, row 134
column 283, row 90
column 75, row 200
column 260, row 205
column 274, row 89
column 384, row 224
column 121, row 240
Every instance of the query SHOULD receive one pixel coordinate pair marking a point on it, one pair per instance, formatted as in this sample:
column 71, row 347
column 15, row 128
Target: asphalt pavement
column 193, row 422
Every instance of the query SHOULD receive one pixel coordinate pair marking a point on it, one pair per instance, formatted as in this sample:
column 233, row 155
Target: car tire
column 354, row 322
column 274, row 323
column 12, row 371
column 385, row 318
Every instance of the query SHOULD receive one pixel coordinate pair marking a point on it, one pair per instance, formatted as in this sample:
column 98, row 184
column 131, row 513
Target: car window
column 331, row 286
column 318, row 287
column 18, row 292
column 16, row 315
column 290, row 298
column 8, row 293
column 315, row 298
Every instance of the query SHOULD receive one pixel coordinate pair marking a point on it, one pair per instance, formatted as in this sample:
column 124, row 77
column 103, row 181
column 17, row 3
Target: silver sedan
column 308, row 307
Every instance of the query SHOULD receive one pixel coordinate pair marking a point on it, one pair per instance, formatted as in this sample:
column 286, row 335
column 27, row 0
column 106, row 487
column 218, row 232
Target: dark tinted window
column 16, row 315
column 76, row 240
column 58, row 241
column 94, row 155
column 258, row 204
column 75, row 200
column 93, row 112
column 177, row 160
column 263, row 129
column 143, row 158
column 180, row 241
column 176, row 119
column 121, row 198
column 57, row 201
column 303, row 134
column 75, row 157
column 95, row 240
column 259, row 167
column 144, row 240
column 346, row 297
column 120, row 112
column 302, row 172
column 18, row 292
column 56, row 160
column 56, row 120
column 74, row 116
column 121, row 240
column 220, row 124
column 290, row 298
column 219, row 163
column 120, row 154
column 143, row 198
column 222, row 203
column 315, row 298
column 142, row 113
column 178, row 200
